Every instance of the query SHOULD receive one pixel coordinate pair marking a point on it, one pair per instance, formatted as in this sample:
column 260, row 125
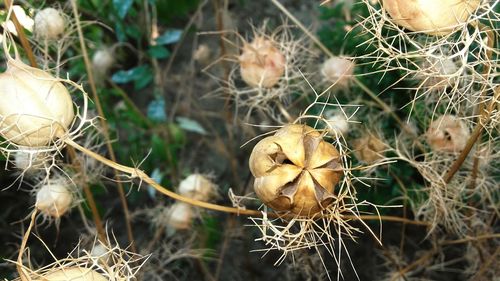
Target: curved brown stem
column 20, row 267
column 136, row 173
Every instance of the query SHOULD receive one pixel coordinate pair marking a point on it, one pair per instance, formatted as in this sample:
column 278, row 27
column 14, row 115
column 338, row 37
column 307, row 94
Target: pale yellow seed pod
column 202, row 54
column 73, row 274
column 295, row 170
column 198, row 187
column 28, row 161
column 102, row 60
column 338, row 70
column 369, row 148
column 54, row 199
column 49, row 24
column 430, row 16
column 35, row 108
column 261, row 63
column 180, row 216
column 448, row 134
column 337, row 122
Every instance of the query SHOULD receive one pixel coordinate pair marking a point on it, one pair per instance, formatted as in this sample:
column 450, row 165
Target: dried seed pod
column 29, row 160
column 36, row 108
column 338, row 70
column 198, row 187
column 369, row 148
column 295, row 170
column 261, row 63
column 337, row 121
column 73, row 274
column 49, row 24
column 431, row 17
column 102, row 60
column 54, row 199
column 447, row 134
column 438, row 73
column 180, row 216
column 202, row 54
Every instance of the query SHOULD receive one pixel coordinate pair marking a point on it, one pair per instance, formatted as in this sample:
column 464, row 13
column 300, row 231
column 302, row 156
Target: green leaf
column 120, row 32
column 158, row 52
column 169, row 37
column 122, row 7
column 156, row 110
column 143, row 81
column 134, row 74
column 190, row 125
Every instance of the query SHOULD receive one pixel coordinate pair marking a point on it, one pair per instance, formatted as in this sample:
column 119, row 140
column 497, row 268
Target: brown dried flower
column 448, row 134
column 295, row 170
column 369, row 149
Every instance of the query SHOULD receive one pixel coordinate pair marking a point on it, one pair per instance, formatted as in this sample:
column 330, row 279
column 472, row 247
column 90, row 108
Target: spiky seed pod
column 73, row 274
column 261, row 63
column 338, row 70
column 369, row 148
column 198, row 187
column 428, row 16
column 295, row 170
column 447, row 134
column 54, row 199
column 36, row 108
column 180, row 216
column 49, row 24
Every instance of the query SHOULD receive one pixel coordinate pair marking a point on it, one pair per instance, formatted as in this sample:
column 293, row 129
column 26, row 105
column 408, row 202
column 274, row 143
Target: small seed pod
column 438, row 73
column 431, row 17
column 202, row 54
column 295, row 170
column 338, row 70
column 36, row 108
column 103, row 60
column 54, row 199
column 73, row 274
column 369, row 149
column 27, row 160
column 198, row 187
column 100, row 252
column 49, row 24
column 447, row 134
column 180, row 216
column 338, row 122
column 261, row 63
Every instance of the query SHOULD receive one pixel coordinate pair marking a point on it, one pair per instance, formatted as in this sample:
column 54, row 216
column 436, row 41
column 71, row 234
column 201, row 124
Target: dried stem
column 22, row 37
column 483, row 121
column 20, row 268
column 103, row 122
column 302, row 27
column 484, row 116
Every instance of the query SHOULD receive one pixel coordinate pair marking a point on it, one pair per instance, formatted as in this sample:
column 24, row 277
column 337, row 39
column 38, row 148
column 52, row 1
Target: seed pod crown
column 296, row 170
